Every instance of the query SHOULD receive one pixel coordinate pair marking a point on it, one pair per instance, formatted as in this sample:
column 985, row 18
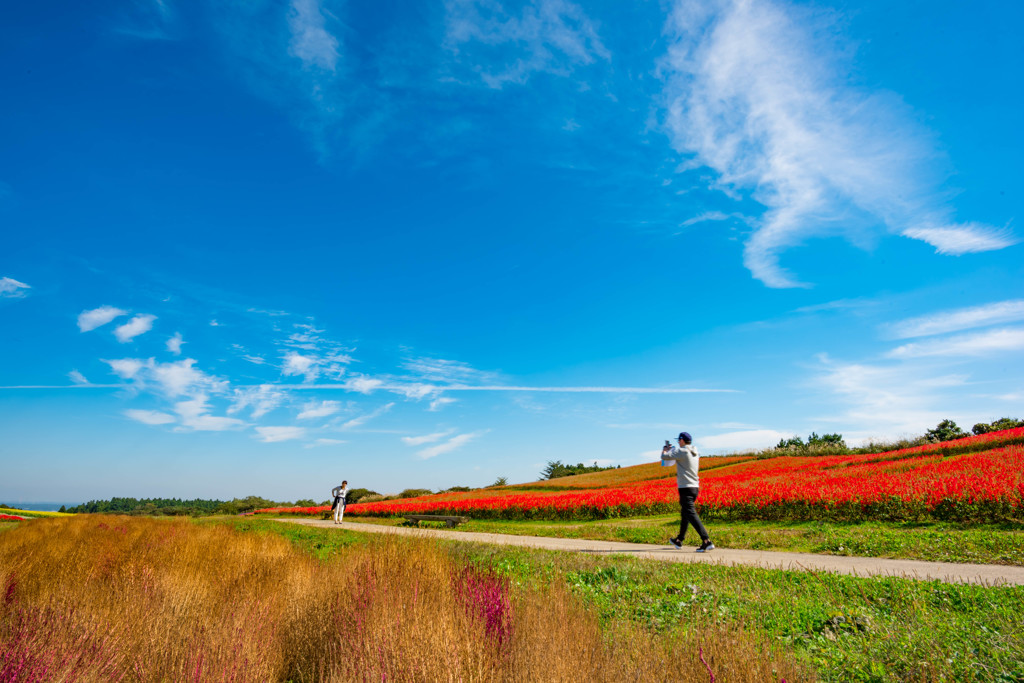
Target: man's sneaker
column 676, row 542
column 706, row 546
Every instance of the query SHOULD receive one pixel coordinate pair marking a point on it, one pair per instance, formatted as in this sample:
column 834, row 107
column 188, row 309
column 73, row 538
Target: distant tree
column 355, row 495
column 826, row 440
column 997, row 425
column 794, row 442
column 305, row 503
column 945, row 431
column 414, row 493
column 458, row 489
column 62, row 509
column 500, row 481
column 556, row 469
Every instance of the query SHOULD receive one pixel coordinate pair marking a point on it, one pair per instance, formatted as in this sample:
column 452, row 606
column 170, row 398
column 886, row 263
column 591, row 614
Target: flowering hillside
column 975, row 479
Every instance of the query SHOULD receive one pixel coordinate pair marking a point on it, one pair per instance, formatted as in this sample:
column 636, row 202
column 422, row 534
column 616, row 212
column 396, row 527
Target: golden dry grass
column 94, row 598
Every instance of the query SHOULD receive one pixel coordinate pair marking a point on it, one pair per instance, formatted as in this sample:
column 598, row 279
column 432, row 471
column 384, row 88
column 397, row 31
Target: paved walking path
column 949, row 572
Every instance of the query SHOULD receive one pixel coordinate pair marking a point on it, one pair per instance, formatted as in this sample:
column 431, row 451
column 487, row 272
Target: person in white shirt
column 687, row 461
column 339, row 493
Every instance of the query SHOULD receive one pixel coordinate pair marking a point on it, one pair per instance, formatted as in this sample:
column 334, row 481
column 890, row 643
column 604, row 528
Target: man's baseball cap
column 685, row 436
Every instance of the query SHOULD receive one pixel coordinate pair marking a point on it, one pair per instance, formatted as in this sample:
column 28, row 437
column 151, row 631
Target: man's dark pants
column 688, row 511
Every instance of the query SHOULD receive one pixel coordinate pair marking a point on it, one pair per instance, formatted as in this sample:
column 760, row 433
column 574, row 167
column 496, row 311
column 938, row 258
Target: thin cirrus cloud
column 138, row 325
column 98, row 317
column 316, row 409
column 150, row 417
column 194, row 415
column 275, row 434
column 449, row 446
column 12, row 289
column 77, row 377
column 959, row 319
column 363, row 419
column 426, row 438
column 548, row 36
column 971, row 345
column 756, row 92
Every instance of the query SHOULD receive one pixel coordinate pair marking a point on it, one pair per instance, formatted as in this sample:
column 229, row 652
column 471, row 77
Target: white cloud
column 426, row 438
column 311, row 42
column 363, row 384
column 11, row 288
column 551, row 36
column 449, row 446
column 977, row 344
column 968, row 238
column 140, row 324
column 263, row 399
column 174, row 379
column 742, row 440
column 274, row 434
column 325, row 442
column 150, row 417
column 440, row 402
column 322, row 409
column 174, row 344
column 77, row 377
column 959, row 319
column 886, row 401
column 97, row 317
column 755, row 90
column 448, row 371
column 180, row 378
column 194, row 415
column 363, row 419
column 126, row 368
column 297, row 364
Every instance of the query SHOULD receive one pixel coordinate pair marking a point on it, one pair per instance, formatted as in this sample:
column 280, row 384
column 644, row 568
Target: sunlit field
column 100, row 598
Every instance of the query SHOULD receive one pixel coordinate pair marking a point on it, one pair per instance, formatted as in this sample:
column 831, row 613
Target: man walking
column 687, row 461
column 340, row 493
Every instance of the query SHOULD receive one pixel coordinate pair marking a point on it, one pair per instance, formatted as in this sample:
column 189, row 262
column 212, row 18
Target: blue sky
column 257, row 248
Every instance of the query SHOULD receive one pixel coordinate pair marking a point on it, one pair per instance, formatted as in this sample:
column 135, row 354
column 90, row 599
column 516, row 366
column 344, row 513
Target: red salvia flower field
column 974, row 479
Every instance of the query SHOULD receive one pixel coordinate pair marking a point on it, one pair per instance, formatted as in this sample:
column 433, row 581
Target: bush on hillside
column 414, row 493
column 356, row 495
column 556, row 469
column 997, row 425
column 947, row 430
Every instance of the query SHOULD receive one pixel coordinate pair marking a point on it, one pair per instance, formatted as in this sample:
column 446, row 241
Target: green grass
column 847, row 628
column 932, row 541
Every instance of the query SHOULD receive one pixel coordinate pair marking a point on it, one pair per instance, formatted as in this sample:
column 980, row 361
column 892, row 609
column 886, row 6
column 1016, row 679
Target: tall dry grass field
column 93, row 598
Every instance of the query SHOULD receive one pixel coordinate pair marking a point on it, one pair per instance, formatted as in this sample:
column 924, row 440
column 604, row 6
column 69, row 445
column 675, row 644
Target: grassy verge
column 846, row 628
column 932, row 541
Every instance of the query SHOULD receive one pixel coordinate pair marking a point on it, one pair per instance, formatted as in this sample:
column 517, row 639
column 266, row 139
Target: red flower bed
column 969, row 479
column 12, row 518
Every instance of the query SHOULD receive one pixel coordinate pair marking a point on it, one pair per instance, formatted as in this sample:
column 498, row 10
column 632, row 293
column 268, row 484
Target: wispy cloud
column 426, row 438
column 140, row 324
column 292, row 55
column 324, row 442
column 968, row 238
column 740, row 440
column 194, row 414
column 150, row 417
column 316, row 409
column 756, row 91
column 549, row 36
column 958, row 319
column 172, row 379
column 77, row 377
column 275, row 434
column 363, row 419
column 97, row 317
column 261, row 399
column 450, row 445
column 12, row 289
column 977, row 344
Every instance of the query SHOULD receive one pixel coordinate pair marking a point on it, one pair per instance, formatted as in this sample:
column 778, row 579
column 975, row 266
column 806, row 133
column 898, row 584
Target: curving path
column 949, row 572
